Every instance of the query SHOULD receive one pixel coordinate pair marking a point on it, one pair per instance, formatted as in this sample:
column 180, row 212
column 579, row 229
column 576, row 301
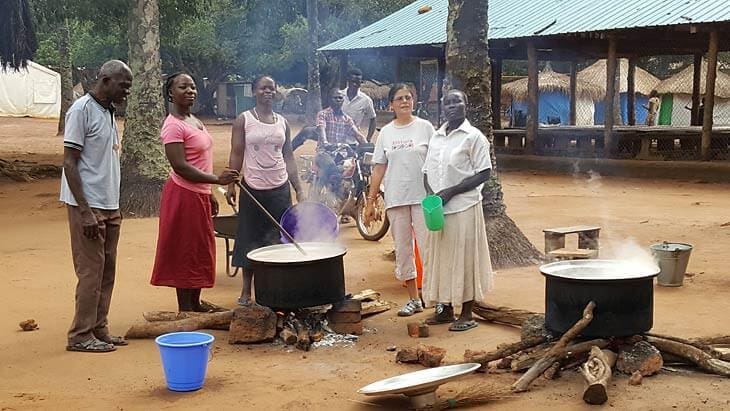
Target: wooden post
column 709, row 95
column 573, row 87
column 497, row 100
column 631, row 92
column 441, row 74
column 533, row 91
column 344, row 66
column 696, row 81
column 611, row 63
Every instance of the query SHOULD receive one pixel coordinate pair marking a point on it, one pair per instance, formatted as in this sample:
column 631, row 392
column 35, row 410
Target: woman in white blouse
column 458, row 269
column 399, row 155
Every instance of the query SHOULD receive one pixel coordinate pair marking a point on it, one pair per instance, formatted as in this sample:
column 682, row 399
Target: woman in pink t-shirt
column 185, row 256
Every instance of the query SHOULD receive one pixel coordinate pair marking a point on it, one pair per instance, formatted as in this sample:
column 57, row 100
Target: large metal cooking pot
column 623, row 292
column 285, row 278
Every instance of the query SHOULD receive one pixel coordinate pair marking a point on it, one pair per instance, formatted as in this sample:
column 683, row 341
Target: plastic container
column 310, row 221
column 672, row 259
column 185, row 358
column 433, row 212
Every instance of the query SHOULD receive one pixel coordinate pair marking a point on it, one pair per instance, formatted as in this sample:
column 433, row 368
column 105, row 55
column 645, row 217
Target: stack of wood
column 346, row 317
column 539, row 353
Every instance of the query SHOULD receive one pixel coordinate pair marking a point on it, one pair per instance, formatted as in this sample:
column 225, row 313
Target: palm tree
column 144, row 166
column 467, row 65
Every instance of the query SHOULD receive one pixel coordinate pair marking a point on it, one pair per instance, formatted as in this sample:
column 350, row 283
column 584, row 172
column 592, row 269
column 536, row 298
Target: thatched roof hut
column 681, row 83
column 549, row 81
column 595, row 74
column 375, row 91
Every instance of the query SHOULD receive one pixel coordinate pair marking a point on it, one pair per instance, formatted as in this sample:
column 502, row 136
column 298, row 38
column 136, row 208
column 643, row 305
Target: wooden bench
column 587, row 242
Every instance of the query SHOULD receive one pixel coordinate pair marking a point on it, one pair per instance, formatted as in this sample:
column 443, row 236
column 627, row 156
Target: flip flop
column 91, row 345
column 466, row 325
column 114, row 340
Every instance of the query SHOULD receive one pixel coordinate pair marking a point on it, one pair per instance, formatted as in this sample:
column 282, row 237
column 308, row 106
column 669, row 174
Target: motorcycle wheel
column 377, row 229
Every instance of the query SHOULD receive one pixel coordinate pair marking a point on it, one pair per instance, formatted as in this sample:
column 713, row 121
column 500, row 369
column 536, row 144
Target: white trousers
column 405, row 221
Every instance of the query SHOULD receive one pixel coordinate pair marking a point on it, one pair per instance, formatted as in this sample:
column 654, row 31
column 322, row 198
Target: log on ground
column 696, row 356
column 503, row 351
column 597, row 373
column 502, row 315
column 210, row 321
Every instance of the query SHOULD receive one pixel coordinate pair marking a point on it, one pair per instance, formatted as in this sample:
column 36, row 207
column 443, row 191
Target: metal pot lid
column 600, row 270
column 288, row 253
column 671, row 247
column 418, row 381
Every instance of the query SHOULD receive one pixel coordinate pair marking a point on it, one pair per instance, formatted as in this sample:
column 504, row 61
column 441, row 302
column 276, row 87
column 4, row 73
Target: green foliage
column 89, row 47
column 211, row 38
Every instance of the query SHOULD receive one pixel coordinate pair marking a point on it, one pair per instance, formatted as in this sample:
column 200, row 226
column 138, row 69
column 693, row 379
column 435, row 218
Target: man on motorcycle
column 334, row 127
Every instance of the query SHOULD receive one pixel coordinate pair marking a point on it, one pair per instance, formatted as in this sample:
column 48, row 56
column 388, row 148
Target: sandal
column 114, row 340
column 91, row 345
column 463, row 326
column 444, row 314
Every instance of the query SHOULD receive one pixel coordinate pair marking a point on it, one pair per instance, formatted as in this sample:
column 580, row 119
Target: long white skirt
column 457, row 266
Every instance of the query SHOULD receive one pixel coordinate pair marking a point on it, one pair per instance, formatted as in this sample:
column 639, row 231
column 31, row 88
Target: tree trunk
column 467, row 64
column 67, row 92
column 314, row 103
column 144, row 166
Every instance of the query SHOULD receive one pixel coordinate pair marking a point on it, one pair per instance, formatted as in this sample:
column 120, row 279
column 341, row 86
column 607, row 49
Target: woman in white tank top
column 261, row 149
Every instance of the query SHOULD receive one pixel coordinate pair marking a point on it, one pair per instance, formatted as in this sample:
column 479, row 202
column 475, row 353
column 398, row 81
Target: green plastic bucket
column 433, row 212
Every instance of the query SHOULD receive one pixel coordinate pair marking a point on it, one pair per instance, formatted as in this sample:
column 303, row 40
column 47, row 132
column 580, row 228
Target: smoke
column 311, row 222
column 628, row 250
column 612, row 246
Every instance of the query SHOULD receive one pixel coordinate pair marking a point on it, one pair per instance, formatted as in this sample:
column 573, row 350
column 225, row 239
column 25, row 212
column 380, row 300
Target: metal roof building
column 561, row 30
column 510, row 19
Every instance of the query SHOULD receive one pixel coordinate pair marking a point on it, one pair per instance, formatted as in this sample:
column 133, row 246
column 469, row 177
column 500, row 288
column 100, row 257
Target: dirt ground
column 35, row 268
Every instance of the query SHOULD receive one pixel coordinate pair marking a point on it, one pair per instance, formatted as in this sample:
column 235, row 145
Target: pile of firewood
column 539, row 353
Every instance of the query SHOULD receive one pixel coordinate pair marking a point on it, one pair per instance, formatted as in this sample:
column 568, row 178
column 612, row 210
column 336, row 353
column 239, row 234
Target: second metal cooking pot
column 284, row 278
column 623, row 292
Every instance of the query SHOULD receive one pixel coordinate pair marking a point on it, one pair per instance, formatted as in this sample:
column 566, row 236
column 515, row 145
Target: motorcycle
column 342, row 182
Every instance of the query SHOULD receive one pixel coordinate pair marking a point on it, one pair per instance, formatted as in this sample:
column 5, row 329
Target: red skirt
column 185, row 244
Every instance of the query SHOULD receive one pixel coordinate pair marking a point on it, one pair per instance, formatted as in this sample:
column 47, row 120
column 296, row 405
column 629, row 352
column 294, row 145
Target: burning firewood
column 597, row 373
column 555, row 352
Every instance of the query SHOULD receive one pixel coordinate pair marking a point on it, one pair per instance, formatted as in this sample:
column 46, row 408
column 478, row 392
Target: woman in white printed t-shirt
column 399, row 156
column 458, row 270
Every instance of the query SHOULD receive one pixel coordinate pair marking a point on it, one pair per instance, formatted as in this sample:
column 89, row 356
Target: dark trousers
column 95, row 265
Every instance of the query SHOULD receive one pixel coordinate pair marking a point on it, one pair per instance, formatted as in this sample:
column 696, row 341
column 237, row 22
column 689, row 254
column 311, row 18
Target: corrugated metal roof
column 515, row 19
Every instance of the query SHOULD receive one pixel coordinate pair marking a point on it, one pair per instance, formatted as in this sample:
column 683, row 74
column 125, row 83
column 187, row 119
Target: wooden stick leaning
column 597, row 373
column 555, row 352
column 572, row 353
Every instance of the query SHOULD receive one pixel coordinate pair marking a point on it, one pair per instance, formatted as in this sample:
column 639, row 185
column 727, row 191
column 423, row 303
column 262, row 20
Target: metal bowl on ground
column 622, row 290
column 287, row 279
column 421, row 385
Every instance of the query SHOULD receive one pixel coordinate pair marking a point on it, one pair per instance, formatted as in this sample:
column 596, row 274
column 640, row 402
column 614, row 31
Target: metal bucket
column 672, row 259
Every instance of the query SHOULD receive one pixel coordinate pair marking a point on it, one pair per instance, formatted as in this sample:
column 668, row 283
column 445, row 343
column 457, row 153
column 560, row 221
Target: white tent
column 35, row 92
